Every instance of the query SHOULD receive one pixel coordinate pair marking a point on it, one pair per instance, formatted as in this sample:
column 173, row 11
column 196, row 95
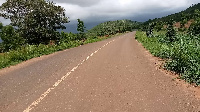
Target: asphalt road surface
column 114, row 75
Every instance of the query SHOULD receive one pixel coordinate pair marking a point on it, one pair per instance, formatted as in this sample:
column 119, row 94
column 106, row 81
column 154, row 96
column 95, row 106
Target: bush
column 11, row 39
column 185, row 59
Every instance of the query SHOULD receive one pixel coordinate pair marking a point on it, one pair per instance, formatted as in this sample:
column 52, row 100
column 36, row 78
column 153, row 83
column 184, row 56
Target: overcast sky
column 93, row 12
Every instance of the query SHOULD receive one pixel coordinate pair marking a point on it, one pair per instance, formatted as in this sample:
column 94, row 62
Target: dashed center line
column 36, row 102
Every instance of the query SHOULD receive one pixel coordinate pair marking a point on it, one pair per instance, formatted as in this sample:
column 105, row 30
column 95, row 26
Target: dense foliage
column 170, row 35
column 11, row 39
column 195, row 26
column 36, row 20
column 81, row 30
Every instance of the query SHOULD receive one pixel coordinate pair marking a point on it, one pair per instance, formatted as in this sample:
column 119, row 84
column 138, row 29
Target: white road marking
column 87, row 57
column 36, row 102
column 92, row 54
column 83, row 61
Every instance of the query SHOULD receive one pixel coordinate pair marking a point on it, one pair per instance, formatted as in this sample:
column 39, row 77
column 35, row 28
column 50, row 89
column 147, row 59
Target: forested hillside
column 182, row 16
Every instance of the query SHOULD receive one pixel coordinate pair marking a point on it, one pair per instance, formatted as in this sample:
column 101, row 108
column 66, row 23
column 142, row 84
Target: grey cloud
column 96, row 11
column 4, row 21
column 2, row 1
column 82, row 3
column 121, row 8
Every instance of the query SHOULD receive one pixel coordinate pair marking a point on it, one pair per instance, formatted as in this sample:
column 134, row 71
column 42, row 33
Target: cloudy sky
column 93, row 12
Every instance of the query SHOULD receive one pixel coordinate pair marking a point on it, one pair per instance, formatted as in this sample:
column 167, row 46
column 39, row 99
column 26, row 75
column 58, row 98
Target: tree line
column 113, row 27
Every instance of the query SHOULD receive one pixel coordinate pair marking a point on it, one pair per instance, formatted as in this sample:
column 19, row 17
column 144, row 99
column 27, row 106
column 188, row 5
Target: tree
column 171, row 32
column 36, row 20
column 194, row 28
column 158, row 26
column 149, row 31
column 81, row 30
column 11, row 39
column 196, row 14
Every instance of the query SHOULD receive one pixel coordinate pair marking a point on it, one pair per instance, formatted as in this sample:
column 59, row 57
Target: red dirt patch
column 187, row 25
column 177, row 25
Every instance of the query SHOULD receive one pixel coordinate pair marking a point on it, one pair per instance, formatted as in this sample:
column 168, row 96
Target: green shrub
column 11, row 39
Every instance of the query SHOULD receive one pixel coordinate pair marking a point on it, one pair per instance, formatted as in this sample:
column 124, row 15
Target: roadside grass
column 27, row 52
column 182, row 55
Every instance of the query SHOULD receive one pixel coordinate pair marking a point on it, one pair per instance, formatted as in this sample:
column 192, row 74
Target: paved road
column 113, row 75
